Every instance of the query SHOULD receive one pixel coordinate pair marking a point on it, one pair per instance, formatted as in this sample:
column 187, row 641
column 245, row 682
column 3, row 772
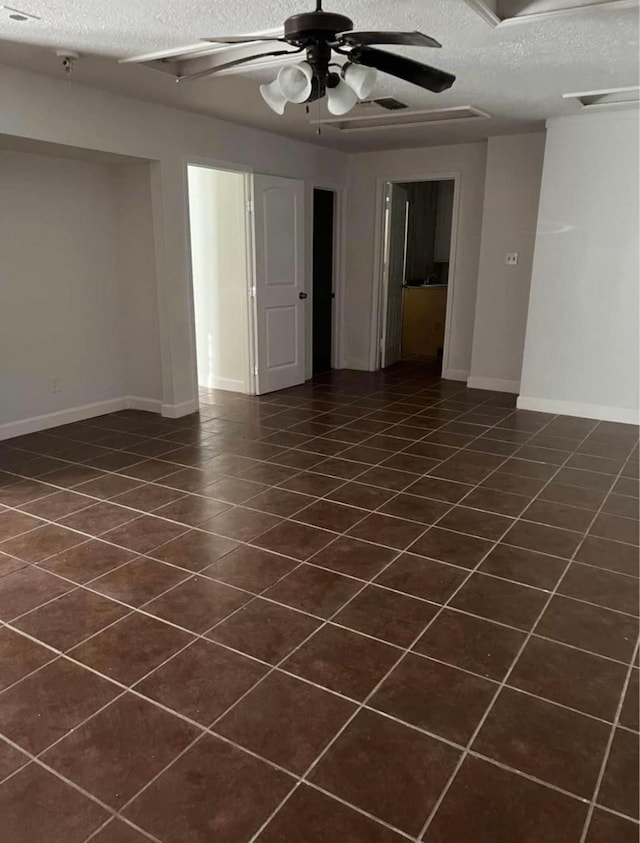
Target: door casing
column 378, row 309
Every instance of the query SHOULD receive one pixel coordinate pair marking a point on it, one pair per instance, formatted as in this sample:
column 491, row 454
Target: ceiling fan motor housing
column 316, row 31
column 311, row 27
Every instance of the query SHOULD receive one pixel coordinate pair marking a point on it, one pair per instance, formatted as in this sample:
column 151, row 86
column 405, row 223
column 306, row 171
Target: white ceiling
column 517, row 72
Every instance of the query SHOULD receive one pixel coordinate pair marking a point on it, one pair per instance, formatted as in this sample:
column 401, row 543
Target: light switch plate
column 511, row 259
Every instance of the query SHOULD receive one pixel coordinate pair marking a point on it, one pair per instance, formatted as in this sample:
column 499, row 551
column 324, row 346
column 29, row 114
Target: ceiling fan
column 318, row 35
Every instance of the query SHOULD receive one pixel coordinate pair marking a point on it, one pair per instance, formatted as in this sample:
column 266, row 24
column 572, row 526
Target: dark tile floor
column 374, row 608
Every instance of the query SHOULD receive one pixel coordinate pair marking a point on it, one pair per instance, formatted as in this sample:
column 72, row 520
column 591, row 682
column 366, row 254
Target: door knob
column 302, row 295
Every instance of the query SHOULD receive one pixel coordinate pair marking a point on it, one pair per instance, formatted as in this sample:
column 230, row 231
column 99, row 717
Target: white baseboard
column 494, row 384
column 356, row 364
column 148, row 405
column 85, row 411
column 229, row 384
column 60, row 417
column 176, row 411
column 575, row 408
column 455, row 374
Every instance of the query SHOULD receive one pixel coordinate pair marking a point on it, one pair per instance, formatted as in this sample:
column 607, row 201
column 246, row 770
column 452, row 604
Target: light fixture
column 315, row 37
column 340, row 96
column 313, row 79
column 273, row 96
column 296, row 82
column 361, row 79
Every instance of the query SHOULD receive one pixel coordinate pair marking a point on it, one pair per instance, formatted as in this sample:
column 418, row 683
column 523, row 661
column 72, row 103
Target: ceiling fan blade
column 192, row 77
column 404, row 39
column 411, row 71
column 179, row 53
column 245, row 39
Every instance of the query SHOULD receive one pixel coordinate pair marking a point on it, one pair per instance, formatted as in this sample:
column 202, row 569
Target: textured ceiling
column 517, row 73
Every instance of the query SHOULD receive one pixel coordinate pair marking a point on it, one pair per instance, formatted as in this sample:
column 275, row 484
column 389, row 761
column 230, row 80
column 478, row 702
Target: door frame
column 384, row 293
column 339, row 239
column 378, row 303
column 339, row 265
column 247, row 326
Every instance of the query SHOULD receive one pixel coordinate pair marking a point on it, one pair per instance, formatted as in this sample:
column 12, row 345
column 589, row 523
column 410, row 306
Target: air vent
column 18, row 14
column 405, row 119
column 612, row 98
column 391, row 104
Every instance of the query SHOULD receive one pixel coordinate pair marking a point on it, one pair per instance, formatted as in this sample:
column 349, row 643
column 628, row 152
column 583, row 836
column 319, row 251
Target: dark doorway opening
column 323, row 222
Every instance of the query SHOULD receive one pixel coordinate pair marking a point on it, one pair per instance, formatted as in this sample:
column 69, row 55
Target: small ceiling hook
column 69, row 59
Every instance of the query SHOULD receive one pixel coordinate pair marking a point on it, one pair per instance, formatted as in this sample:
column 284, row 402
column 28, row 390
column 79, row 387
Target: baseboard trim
column 148, row 405
column 176, row 411
column 60, row 417
column 494, row 384
column 228, row 384
column 81, row 413
column 356, row 364
column 575, row 408
column 455, row 375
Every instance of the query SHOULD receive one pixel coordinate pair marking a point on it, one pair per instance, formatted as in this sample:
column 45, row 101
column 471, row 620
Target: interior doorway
column 247, row 236
column 323, row 280
column 220, row 273
column 418, row 261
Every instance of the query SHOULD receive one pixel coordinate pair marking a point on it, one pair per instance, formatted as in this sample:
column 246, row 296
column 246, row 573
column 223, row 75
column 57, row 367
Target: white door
column 397, row 205
column 278, row 214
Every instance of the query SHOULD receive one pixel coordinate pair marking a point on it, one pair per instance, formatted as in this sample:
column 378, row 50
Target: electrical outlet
column 55, row 384
column 511, row 259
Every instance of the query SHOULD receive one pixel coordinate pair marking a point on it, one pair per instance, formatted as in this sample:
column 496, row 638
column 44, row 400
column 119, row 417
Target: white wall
column 219, row 269
column 367, row 173
column 511, row 195
column 139, row 317
column 581, row 350
column 59, row 286
column 42, row 108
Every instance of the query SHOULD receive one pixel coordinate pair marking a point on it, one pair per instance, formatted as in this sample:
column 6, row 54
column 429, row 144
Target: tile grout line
column 603, row 766
column 503, row 684
column 612, row 733
column 376, row 687
column 307, row 561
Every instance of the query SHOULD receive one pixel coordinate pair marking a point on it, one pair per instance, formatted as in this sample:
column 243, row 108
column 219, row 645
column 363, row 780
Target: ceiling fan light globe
column 361, row 79
column 341, row 98
column 296, row 81
column 273, row 96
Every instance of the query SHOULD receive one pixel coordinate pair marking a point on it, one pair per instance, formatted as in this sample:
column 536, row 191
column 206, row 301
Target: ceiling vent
column 607, row 99
column 18, row 14
column 402, row 119
column 390, row 104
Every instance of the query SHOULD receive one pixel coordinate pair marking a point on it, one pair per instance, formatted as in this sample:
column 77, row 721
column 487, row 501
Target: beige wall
column 45, row 109
column 150, row 226
column 219, row 269
column 367, row 173
column 139, row 299
column 60, row 306
column 582, row 343
column 511, row 194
